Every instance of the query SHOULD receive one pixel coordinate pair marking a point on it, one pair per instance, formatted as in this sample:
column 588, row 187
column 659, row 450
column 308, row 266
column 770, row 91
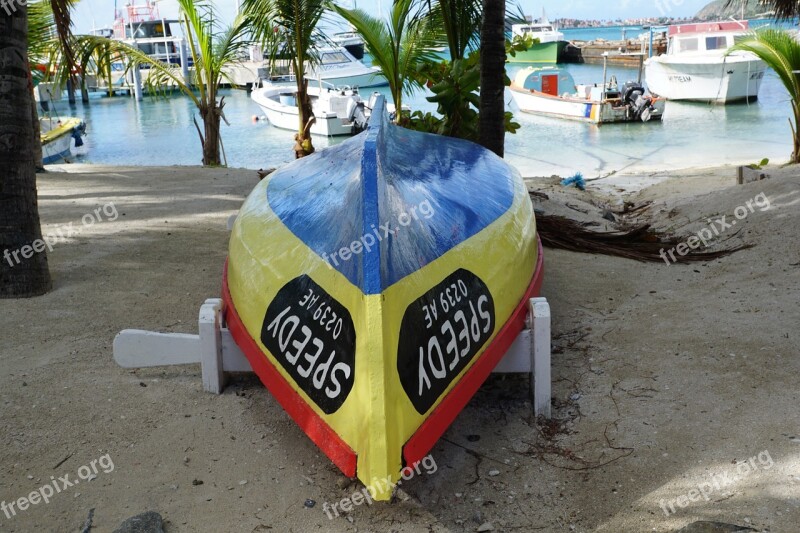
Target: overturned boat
column 374, row 285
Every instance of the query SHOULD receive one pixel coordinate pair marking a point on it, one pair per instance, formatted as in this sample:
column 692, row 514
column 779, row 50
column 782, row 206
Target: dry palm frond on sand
column 640, row 243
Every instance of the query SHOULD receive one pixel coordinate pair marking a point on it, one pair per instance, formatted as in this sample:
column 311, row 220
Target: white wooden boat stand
column 218, row 354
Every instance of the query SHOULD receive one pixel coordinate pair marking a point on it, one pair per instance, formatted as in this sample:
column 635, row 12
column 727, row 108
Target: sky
column 100, row 13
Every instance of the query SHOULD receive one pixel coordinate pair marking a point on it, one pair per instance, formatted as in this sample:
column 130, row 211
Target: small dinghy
column 338, row 111
column 374, row 285
column 60, row 137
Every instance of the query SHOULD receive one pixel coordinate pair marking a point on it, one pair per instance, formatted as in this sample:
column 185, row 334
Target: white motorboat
column 697, row 67
column 337, row 111
column 337, row 68
column 552, row 91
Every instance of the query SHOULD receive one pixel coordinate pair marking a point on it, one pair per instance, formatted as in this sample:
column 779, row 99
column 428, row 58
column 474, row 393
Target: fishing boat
column 697, row 65
column 337, row 111
column 552, row 91
column 60, row 137
column 366, row 289
column 549, row 49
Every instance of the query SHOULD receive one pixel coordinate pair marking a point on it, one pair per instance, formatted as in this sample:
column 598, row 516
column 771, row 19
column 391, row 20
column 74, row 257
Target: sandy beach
column 668, row 378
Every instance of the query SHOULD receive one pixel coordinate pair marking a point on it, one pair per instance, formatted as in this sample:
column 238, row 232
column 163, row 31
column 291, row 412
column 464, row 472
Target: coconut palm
column 460, row 22
column 784, row 9
column 212, row 49
column 19, row 213
column 781, row 52
column 493, row 77
column 288, row 29
column 399, row 46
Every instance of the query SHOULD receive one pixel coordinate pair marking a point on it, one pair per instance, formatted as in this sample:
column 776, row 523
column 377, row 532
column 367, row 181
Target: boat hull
column 538, row 103
column 704, row 80
column 288, row 117
column 414, row 310
column 58, row 142
column 551, row 52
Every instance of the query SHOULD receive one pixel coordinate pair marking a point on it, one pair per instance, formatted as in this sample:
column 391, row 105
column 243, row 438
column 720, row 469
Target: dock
column 618, row 52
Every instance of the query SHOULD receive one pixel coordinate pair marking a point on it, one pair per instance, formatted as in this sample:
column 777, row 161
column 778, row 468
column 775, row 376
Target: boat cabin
column 706, row 37
column 548, row 80
column 532, row 29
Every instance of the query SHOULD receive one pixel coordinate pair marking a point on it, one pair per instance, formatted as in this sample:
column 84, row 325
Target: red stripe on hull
column 309, row 421
column 446, row 412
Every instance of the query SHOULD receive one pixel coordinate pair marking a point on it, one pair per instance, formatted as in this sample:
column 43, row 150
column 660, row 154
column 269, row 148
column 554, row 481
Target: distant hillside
column 717, row 11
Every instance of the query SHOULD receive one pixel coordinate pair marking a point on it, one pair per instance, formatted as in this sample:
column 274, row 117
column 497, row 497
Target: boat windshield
column 333, row 58
column 536, row 29
column 719, row 42
column 689, row 44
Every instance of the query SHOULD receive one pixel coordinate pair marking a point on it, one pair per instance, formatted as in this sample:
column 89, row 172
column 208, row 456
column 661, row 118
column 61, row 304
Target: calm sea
column 161, row 132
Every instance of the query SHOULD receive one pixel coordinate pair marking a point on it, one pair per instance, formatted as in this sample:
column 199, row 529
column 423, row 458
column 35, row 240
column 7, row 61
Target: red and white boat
column 697, row 65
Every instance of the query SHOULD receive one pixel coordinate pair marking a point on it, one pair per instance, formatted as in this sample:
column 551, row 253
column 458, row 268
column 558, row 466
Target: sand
column 666, row 378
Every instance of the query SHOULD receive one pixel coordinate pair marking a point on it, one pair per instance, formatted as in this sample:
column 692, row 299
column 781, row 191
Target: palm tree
column 460, row 21
column 493, row 77
column 784, row 9
column 289, row 29
column 781, row 52
column 212, row 49
column 20, row 228
column 400, row 46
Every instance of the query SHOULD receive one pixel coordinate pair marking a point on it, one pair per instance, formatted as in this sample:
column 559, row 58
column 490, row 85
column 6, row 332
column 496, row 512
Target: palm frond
column 780, row 50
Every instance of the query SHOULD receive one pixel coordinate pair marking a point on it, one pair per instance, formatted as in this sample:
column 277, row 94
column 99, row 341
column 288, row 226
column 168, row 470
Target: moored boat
column 337, row 111
column 697, row 66
column 549, row 49
column 552, row 91
column 366, row 289
column 337, row 67
column 60, row 137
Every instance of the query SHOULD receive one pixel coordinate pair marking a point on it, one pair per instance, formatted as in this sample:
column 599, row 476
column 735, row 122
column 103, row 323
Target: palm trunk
column 38, row 154
column 493, row 66
column 211, row 122
column 304, row 146
column 796, row 133
column 23, row 267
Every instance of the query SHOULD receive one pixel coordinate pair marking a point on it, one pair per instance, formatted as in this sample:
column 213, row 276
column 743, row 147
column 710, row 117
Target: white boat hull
column 57, row 138
column 287, row 117
column 705, row 79
column 57, row 149
column 577, row 109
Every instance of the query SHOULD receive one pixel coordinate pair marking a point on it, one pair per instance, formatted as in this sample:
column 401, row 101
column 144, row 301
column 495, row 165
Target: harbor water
column 160, row 131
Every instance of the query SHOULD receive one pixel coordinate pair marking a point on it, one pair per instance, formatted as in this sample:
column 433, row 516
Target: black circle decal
column 441, row 333
column 312, row 336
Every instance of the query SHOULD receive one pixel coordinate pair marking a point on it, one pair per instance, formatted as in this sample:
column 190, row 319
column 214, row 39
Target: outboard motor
column 360, row 120
column 633, row 96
